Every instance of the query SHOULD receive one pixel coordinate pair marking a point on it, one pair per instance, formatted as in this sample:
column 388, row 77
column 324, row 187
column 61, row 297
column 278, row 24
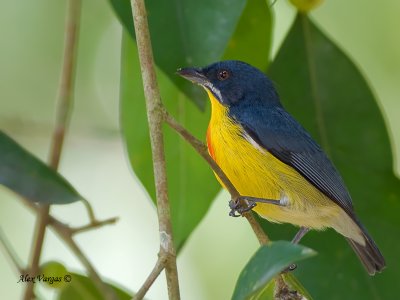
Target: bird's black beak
column 195, row 75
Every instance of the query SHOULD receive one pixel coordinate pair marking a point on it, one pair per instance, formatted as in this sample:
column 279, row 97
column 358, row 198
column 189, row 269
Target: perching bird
column 267, row 154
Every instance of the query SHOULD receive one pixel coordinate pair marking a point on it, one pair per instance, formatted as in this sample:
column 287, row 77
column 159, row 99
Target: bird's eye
column 222, row 75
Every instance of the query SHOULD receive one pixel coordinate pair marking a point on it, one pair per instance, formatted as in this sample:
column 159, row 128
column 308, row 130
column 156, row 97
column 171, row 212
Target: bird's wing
column 276, row 131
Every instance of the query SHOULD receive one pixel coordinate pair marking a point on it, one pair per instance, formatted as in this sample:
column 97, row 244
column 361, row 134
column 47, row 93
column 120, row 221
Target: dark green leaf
column 323, row 89
column 251, row 41
column 186, row 33
column 191, row 183
column 82, row 287
column 267, row 262
column 26, row 175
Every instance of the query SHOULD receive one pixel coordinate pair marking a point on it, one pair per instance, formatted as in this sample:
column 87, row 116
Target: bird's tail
column 369, row 254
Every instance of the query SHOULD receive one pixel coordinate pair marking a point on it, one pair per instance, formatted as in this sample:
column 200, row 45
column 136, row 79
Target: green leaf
column 27, row 176
column 323, row 89
column 82, row 287
column 191, row 184
column 254, row 31
column 186, row 33
column 266, row 263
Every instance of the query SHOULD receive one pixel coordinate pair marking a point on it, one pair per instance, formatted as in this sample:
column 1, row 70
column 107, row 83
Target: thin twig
column 38, row 238
column 105, row 290
column 11, row 253
column 63, row 111
column 262, row 237
column 89, row 210
column 155, row 120
column 66, row 233
column 93, row 224
column 64, row 227
column 202, row 150
column 160, row 265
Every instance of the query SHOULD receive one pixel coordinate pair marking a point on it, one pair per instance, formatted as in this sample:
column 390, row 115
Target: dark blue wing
column 276, row 131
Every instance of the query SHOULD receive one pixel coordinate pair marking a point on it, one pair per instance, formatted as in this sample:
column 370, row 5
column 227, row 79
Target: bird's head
column 232, row 82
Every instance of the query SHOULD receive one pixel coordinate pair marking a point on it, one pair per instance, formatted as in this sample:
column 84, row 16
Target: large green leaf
column 266, row 263
column 82, row 287
column 186, row 33
column 323, row 89
column 26, row 175
column 190, row 181
column 251, row 41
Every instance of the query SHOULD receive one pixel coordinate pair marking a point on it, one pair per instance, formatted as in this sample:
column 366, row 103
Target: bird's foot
column 299, row 235
column 240, row 205
column 290, row 268
column 244, row 204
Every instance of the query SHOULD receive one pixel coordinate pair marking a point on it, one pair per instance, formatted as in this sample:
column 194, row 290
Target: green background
column 95, row 162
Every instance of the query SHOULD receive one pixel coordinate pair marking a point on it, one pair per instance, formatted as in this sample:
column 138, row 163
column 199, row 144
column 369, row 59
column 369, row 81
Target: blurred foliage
column 258, row 275
column 198, row 32
column 29, row 177
column 55, row 270
column 254, row 31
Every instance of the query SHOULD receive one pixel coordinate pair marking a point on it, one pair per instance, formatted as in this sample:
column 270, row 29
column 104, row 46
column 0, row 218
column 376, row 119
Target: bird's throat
column 218, row 120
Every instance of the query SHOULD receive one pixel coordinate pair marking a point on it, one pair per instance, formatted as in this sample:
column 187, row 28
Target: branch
column 105, row 290
column 64, row 107
column 89, row 210
column 11, row 253
column 37, row 244
column 66, row 234
column 92, row 225
column 155, row 119
column 160, row 265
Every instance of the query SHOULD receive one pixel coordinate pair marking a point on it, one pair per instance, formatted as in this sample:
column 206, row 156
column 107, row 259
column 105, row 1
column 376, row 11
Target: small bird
column 267, row 154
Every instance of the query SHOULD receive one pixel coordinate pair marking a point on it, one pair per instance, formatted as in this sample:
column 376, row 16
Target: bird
column 267, row 154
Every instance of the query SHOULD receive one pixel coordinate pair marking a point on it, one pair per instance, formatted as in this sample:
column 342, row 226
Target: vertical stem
column 38, row 238
column 160, row 265
column 66, row 88
column 258, row 231
column 63, row 111
column 155, row 120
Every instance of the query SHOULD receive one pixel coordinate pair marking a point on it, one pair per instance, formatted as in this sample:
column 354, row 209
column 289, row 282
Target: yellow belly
column 257, row 173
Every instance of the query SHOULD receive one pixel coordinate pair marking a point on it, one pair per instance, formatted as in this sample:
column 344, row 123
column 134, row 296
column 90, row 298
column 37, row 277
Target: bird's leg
column 236, row 205
column 299, row 235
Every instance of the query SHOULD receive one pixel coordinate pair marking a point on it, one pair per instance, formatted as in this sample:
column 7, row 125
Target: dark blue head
column 233, row 82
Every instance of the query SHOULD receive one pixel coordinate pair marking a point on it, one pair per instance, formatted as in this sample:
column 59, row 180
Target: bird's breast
column 245, row 163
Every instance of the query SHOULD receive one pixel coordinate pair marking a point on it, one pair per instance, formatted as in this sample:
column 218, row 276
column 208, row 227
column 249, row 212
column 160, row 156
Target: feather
column 277, row 132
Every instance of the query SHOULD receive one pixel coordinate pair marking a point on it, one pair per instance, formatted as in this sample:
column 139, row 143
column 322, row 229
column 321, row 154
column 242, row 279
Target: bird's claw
column 236, row 205
column 290, row 268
